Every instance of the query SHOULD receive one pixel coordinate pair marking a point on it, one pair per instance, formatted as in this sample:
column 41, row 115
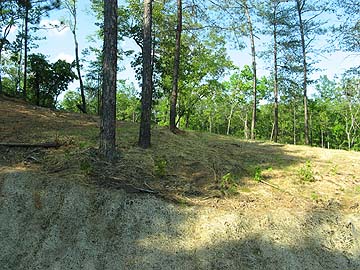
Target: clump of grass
column 84, row 144
column 334, row 170
column 245, row 189
column 357, row 189
column 228, row 185
column 306, row 172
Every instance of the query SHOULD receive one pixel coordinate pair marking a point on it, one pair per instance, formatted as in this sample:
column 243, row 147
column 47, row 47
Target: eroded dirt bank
column 51, row 224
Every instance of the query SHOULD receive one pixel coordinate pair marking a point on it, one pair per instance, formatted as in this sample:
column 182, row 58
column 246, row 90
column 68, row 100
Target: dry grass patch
column 189, row 166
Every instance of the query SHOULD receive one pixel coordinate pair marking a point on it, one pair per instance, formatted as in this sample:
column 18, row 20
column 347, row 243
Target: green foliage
column 348, row 32
column 258, row 174
column 70, row 101
column 85, row 166
column 128, row 102
column 314, row 196
column 209, row 100
column 48, row 80
column 84, row 144
column 228, row 185
column 160, row 167
column 306, row 172
column 334, row 169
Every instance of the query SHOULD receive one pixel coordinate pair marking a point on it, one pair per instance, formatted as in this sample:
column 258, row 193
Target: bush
column 306, row 172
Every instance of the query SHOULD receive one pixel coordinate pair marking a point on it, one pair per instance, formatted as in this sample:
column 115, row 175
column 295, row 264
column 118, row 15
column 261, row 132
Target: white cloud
column 13, row 29
column 54, row 27
column 64, row 56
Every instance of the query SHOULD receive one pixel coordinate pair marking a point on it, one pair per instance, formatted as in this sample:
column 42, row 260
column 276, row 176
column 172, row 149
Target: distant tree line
column 187, row 78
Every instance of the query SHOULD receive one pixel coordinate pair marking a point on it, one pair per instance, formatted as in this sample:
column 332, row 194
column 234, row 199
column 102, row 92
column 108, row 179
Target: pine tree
column 108, row 117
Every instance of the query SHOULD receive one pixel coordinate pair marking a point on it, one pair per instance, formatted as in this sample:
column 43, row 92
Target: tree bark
column 108, row 117
column 146, row 97
column 294, row 124
column 246, row 131
column 300, row 5
column 187, row 120
column 77, row 60
column 99, row 94
column 175, row 83
column 253, row 56
column 1, row 85
column 229, row 120
column 37, row 90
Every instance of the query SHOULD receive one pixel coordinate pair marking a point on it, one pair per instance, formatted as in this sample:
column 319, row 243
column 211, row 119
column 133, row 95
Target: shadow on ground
column 54, row 224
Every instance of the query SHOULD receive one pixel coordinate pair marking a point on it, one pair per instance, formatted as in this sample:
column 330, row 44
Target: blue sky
column 60, row 45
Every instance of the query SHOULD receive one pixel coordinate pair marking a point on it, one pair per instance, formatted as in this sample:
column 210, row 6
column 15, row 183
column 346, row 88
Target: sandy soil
column 59, row 225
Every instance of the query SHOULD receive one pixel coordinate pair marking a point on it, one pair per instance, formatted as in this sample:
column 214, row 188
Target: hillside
column 191, row 201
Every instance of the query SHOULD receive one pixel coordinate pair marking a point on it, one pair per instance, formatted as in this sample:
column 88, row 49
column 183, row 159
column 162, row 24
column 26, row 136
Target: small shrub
column 314, row 196
column 258, row 174
column 83, row 145
column 228, row 184
column 306, row 172
column 160, row 167
column 85, row 166
column 357, row 189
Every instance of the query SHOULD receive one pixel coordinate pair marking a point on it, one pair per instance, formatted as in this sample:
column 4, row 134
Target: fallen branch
column 273, row 186
column 127, row 186
column 42, row 145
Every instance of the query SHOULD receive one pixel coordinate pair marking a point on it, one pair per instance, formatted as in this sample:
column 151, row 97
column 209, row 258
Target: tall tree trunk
column 37, row 90
column 187, row 120
column 175, row 83
column 78, row 69
column 77, row 59
column 146, row 97
column 108, row 116
column 26, row 43
column 294, row 124
column 1, row 69
column 18, row 75
column 253, row 56
column 246, row 130
column 99, row 94
column 300, row 5
column 276, row 83
column 229, row 120
column 153, row 50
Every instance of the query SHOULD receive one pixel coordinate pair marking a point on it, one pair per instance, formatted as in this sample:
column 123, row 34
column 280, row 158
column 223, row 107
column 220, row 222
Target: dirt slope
column 65, row 209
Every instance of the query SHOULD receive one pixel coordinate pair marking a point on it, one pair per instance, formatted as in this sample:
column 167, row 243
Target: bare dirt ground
column 218, row 202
